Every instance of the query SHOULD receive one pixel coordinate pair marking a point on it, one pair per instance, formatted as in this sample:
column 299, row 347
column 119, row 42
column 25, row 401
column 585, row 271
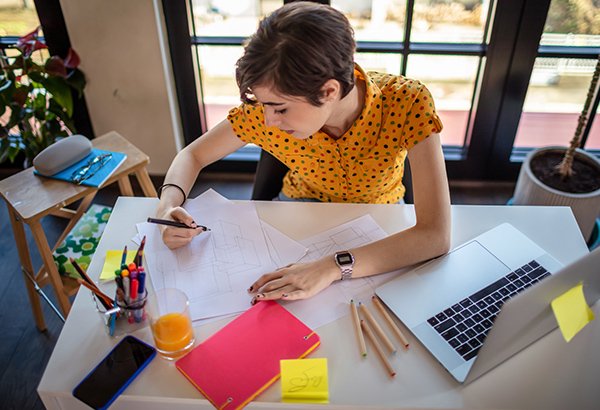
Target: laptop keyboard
column 465, row 325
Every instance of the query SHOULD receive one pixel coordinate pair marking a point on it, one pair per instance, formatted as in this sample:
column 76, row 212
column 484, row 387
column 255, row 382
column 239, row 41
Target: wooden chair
column 30, row 197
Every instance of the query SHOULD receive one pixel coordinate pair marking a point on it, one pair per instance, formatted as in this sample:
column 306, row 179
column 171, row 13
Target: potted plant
column 36, row 103
column 565, row 176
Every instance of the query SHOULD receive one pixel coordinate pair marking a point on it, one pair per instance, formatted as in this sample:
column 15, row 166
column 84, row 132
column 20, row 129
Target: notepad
column 113, row 262
column 572, row 312
column 304, row 381
column 100, row 176
column 241, row 360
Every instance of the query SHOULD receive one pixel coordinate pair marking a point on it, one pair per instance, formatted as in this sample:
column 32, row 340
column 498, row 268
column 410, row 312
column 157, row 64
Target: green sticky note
column 572, row 312
column 304, row 381
column 113, row 262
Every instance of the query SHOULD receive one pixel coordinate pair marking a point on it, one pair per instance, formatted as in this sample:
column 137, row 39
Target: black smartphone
column 114, row 373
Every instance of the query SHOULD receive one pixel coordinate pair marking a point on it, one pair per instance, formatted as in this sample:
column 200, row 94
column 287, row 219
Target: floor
column 24, row 351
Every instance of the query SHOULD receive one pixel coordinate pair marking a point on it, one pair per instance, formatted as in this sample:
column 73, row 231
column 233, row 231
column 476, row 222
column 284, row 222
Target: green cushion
column 82, row 241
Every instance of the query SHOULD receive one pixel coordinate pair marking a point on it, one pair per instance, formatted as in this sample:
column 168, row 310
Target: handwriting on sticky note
column 572, row 312
column 304, row 381
column 113, row 262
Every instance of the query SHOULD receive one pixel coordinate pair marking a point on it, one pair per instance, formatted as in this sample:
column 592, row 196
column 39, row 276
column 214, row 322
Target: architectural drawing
column 217, row 267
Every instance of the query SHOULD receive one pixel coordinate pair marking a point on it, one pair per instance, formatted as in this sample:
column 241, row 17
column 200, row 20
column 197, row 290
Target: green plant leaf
column 4, row 147
column 76, row 79
column 60, row 92
column 37, row 77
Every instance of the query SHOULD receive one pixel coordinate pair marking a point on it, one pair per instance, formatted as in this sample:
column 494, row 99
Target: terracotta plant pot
column 531, row 191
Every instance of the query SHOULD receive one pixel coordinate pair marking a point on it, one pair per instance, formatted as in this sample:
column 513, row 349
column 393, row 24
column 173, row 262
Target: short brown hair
column 296, row 49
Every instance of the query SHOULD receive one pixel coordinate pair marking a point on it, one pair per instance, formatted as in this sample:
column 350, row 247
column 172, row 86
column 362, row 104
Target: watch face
column 344, row 258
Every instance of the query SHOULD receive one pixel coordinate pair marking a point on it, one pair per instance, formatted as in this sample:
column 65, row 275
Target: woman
column 343, row 133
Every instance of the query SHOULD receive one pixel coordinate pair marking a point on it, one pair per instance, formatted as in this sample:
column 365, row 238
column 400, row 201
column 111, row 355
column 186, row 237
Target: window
column 20, row 17
column 17, row 17
column 559, row 84
column 491, row 76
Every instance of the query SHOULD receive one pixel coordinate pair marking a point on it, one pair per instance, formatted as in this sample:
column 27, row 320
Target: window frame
column 511, row 44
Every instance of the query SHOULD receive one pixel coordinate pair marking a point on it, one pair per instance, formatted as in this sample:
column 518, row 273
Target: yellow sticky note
column 572, row 312
column 113, row 262
column 304, row 381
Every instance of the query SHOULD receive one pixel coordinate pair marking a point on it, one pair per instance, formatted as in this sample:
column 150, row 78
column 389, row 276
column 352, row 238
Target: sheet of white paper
column 217, row 267
column 283, row 249
column 334, row 301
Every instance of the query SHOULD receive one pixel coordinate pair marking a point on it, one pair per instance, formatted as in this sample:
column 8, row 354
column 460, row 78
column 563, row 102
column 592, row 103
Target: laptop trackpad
column 462, row 272
column 443, row 282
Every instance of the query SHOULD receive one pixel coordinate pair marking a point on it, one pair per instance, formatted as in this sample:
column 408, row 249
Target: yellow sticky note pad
column 572, row 312
column 304, row 381
column 113, row 262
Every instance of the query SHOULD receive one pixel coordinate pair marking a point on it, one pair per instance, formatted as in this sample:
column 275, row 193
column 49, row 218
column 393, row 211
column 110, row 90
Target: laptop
column 486, row 300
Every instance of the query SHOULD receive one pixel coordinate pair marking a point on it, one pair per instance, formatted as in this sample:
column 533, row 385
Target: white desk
column 549, row 374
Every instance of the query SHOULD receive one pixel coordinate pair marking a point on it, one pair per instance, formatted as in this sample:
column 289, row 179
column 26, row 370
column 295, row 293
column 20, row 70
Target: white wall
column 129, row 86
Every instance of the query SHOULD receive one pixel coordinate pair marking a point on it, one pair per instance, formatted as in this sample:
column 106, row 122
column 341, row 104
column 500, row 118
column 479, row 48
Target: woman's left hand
column 296, row 280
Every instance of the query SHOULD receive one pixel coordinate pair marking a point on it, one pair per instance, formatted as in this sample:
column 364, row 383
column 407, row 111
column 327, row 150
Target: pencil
column 378, row 328
column 82, row 273
column 359, row 334
column 105, row 300
column 124, row 257
column 176, row 224
column 370, row 335
column 388, row 318
column 137, row 259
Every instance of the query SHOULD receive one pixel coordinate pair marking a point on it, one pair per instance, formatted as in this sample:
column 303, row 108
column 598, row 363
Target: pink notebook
column 241, row 360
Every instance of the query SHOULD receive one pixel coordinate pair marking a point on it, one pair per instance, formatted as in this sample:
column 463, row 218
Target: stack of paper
column 217, row 267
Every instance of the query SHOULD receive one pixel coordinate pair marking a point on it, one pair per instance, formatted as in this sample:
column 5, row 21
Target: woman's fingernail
column 251, row 289
column 193, row 225
column 260, row 296
column 253, row 301
column 284, row 296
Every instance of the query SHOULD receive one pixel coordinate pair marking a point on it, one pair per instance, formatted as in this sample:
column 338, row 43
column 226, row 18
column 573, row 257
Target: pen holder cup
column 124, row 318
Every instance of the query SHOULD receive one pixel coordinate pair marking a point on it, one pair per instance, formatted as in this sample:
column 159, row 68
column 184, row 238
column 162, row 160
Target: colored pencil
column 378, row 328
column 139, row 253
column 124, row 257
column 82, row 273
column 103, row 298
column 390, row 321
column 176, row 224
column 378, row 348
column 359, row 334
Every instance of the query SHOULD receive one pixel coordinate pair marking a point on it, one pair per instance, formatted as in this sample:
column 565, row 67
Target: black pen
column 176, row 224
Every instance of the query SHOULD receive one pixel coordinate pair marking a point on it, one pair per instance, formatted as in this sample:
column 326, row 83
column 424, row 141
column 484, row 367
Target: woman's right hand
column 175, row 237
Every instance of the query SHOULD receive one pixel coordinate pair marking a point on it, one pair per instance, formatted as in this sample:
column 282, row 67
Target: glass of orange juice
column 168, row 311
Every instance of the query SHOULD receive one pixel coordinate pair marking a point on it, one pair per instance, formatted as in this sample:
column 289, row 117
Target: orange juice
column 173, row 332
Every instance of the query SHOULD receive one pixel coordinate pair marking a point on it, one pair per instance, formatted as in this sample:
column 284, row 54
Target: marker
column 176, row 224
column 141, row 292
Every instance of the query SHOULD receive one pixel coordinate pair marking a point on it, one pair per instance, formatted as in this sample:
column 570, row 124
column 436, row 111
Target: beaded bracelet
column 160, row 188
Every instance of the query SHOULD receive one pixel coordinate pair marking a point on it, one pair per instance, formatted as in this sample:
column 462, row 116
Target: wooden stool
column 30, row 197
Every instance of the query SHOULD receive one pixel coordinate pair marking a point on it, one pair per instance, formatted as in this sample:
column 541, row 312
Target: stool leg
column 125, row 186
column 51, row 270
column 83, row 206
column 27, row 268
column 146, row 183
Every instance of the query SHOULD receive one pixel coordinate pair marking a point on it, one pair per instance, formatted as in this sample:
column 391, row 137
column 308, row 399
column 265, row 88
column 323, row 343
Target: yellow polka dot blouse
column 367, row 163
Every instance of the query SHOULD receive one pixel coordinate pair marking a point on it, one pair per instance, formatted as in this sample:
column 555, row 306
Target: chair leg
column 27, row 268
column 50, row 266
